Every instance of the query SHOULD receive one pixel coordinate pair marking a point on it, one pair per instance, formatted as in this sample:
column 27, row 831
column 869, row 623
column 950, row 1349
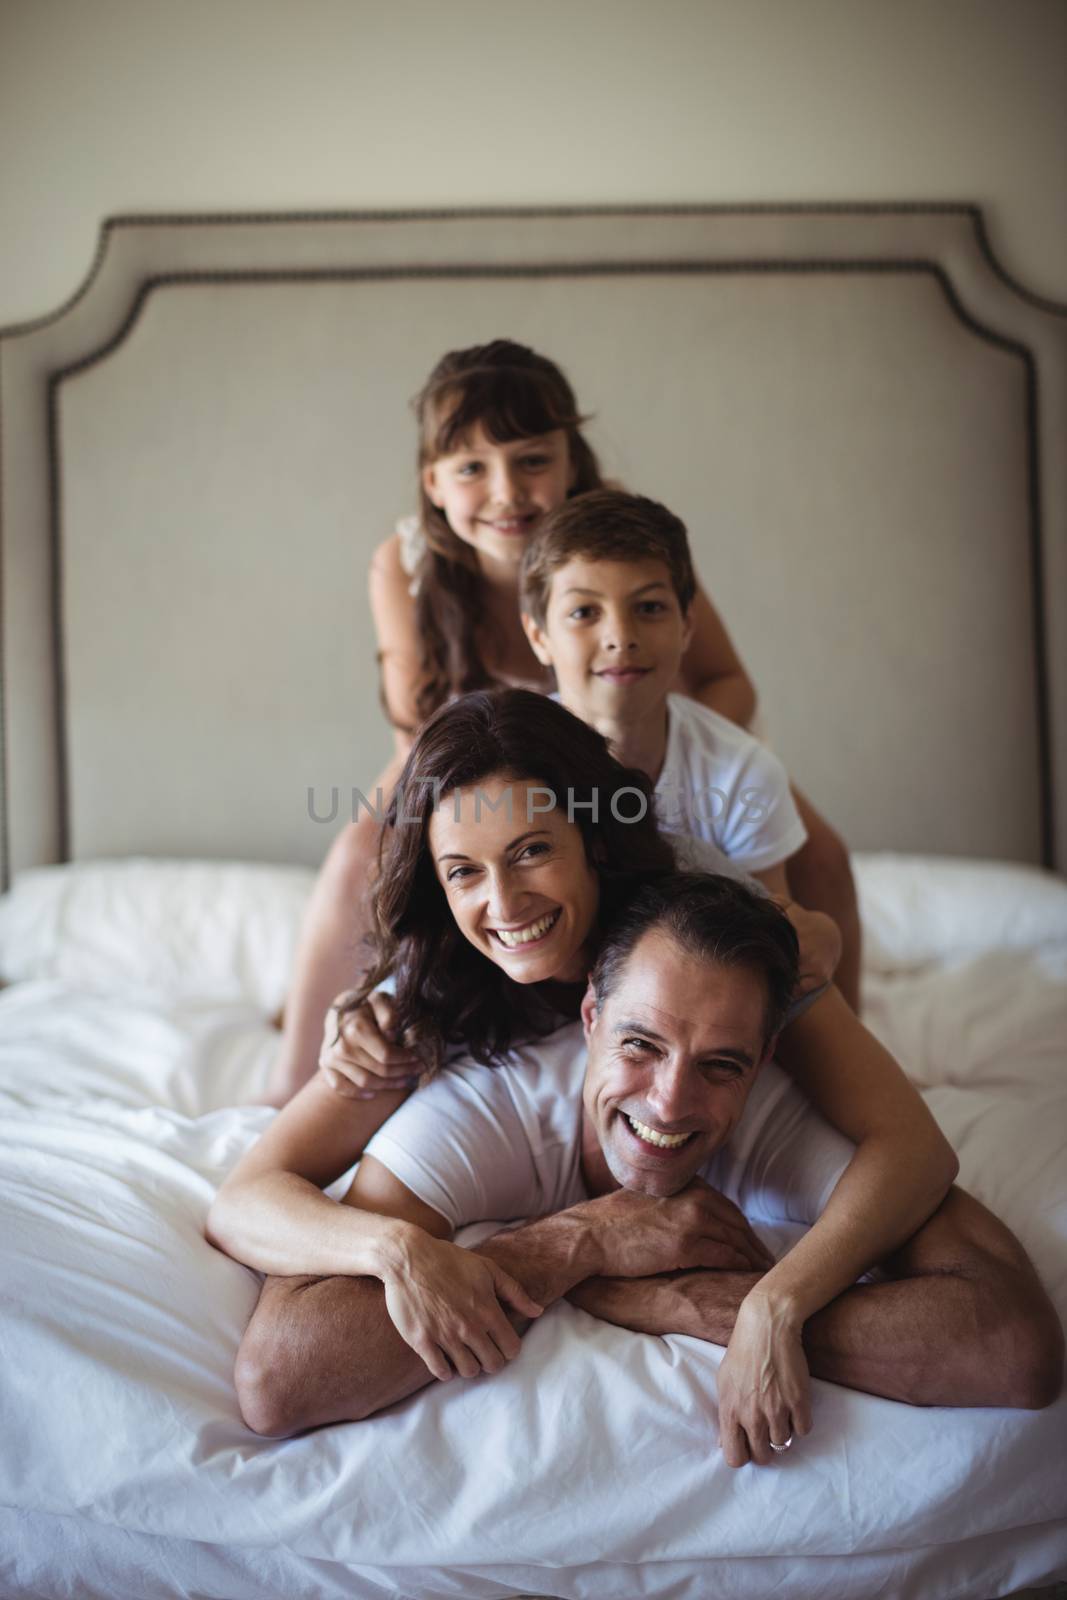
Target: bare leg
column 331, row 953
column 820, row 876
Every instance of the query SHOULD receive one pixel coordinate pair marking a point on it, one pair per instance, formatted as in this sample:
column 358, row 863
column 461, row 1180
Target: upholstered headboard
column 860, row 417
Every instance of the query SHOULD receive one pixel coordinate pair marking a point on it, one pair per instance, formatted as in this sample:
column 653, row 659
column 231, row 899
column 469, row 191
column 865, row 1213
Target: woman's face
column 495, row 496
column 516, row 878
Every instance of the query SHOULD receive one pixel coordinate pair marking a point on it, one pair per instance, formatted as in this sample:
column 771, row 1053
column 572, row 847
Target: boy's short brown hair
column 605, row 525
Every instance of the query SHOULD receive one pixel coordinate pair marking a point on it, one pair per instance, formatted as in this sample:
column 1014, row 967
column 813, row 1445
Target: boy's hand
column 820, row 946
column 358, row 1058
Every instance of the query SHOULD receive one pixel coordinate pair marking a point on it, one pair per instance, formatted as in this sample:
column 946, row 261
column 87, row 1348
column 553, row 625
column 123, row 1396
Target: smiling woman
column 513, row 836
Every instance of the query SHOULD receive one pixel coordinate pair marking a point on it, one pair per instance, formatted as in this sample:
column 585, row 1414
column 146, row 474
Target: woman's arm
column 959, row 1318
column 271, row 1213
column 446, row 1303
column 901, row 1171
column 712, row 671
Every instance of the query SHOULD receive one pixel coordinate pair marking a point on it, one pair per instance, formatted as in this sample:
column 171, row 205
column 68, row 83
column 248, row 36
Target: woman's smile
column 530, row 933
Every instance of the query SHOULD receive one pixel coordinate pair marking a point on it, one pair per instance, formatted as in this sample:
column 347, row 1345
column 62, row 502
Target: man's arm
column 962, row 1319
column 321, row 1350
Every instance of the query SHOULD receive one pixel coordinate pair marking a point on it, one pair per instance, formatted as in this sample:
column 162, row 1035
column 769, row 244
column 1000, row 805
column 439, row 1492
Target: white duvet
column 590, row 1467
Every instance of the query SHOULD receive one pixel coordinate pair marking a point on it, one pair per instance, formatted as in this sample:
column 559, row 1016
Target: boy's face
column 615, row 634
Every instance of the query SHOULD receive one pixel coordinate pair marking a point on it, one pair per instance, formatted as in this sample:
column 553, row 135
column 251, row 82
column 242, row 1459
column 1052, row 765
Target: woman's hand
column 764, row 1385
column 358, row 1057
column 446, row 1304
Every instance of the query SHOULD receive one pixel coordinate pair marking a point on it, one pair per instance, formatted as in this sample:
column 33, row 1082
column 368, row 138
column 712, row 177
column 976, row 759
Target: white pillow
column 921, row 909
column 228, row 930
column 165, row 929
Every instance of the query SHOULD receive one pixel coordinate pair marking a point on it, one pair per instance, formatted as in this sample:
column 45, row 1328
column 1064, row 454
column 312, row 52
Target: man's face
column 673, row 1055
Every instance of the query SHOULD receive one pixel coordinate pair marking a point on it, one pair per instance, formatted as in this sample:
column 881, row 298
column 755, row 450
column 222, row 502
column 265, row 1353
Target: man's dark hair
column 714, row 917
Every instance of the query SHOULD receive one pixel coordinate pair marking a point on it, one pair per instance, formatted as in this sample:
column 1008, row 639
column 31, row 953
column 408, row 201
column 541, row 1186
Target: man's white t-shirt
column 503, row 1143
column 720, row 784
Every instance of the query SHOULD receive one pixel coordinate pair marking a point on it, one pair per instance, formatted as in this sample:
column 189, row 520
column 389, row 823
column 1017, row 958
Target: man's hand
column 639, row 1236
column 359, row 1057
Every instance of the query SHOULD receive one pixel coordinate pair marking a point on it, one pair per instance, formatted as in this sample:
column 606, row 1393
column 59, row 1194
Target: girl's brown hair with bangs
column 514, row 394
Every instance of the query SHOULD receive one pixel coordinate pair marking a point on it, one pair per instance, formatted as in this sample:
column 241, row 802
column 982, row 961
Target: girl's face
column 516, row 878
column 494, row 496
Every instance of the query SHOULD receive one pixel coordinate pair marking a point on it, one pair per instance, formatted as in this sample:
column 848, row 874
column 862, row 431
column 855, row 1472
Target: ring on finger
column 779, row 1448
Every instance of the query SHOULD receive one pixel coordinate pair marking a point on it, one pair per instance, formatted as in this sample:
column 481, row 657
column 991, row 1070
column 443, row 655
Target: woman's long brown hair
column 446, row 993
column 514, row 394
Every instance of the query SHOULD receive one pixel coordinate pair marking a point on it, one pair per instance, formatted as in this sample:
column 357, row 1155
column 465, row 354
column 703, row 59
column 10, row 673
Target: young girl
column 500, row 445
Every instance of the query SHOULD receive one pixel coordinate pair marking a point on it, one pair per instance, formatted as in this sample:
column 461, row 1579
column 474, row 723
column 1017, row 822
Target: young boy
column 606, row 589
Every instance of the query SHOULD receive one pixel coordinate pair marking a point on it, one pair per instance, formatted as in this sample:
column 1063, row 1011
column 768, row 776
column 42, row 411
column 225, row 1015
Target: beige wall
column 123, row 105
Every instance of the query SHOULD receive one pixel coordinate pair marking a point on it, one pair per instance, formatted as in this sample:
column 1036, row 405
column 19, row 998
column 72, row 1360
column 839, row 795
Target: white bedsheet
column 589, row 1468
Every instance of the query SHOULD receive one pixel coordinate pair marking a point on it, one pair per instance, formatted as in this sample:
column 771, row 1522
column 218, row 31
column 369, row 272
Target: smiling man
column 646, row 1144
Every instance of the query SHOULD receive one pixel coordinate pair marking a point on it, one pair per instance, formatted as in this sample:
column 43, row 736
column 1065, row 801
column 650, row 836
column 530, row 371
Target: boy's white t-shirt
column 723, row 789
column 720, row 784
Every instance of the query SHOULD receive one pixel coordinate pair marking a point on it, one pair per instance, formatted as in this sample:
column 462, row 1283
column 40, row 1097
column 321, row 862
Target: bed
column 861, row 418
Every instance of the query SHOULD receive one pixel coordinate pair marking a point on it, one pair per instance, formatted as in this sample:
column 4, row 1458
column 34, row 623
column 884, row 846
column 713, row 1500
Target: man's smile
column 653, row 1138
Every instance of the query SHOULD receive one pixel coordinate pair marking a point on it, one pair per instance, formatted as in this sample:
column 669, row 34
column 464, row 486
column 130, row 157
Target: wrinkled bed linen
column 589, row 1468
